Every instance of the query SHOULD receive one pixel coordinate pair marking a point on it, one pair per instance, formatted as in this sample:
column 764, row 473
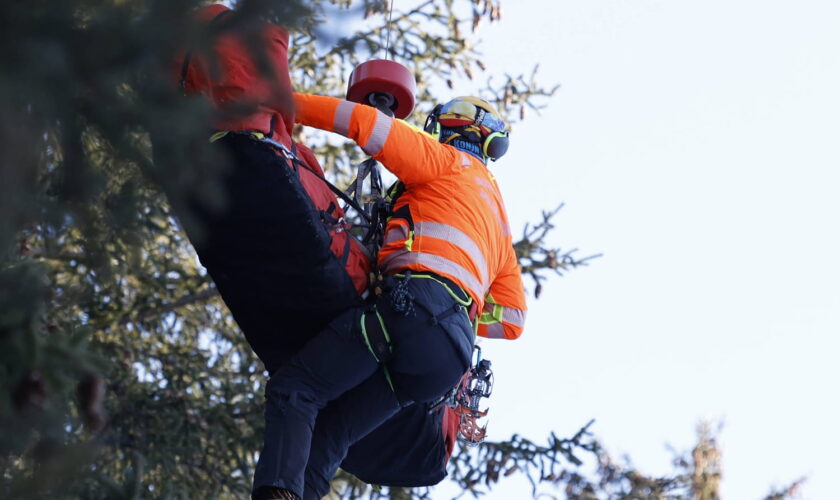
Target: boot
column 273, row 493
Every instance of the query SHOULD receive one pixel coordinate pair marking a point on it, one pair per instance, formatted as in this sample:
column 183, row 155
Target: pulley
column 383, row 84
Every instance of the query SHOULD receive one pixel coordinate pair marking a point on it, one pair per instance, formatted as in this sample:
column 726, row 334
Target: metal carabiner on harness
column 375, row 205
column 367, row 168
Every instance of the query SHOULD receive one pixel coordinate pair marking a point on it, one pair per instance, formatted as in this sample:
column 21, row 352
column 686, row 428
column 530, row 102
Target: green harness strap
column 465, row 303
column 381, row 349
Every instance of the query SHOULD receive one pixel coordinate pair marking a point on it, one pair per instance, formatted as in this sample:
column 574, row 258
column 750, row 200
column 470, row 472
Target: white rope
column 388, row 40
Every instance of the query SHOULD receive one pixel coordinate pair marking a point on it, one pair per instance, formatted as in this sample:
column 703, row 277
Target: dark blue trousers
column 432, row 345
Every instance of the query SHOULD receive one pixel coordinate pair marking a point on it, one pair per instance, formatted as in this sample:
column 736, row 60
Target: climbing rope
column 388, row 39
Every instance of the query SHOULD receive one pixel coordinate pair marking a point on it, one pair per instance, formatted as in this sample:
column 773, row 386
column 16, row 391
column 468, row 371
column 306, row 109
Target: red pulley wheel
column 388, row 77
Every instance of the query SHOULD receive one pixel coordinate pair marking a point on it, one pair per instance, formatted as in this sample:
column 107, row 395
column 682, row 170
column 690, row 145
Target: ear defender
column 496, row 145
column 432, row 126
column 467, row 120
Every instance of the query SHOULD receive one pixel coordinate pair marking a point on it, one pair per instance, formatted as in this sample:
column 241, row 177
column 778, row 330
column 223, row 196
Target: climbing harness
column 395, row 289
column 465, row 400
column 377, row 340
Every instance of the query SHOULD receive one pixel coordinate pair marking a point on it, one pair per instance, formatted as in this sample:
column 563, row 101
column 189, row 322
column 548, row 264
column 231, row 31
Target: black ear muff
column 496, row 145
column 432, row 125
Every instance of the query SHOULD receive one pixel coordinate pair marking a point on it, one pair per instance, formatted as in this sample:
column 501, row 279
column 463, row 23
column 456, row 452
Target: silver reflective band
column 456, row 237
column 377, row 138
column 465, row 160
column 491, row 203
column 495, row 331
column 341, row 122
column 513, row 316
column 437, row 264
column 398, row 233
column 481, row 181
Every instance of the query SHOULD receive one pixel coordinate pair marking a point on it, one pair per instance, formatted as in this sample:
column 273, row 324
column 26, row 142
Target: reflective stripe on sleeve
column 398, row 233
column 495, row 331
column 513, row 316
column 456, row 237
column 377, row 138
column 341, row 122
column 435, row 263
column 465, row 160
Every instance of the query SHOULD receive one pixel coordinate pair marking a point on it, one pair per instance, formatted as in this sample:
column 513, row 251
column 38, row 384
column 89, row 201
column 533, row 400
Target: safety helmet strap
column 432, row 125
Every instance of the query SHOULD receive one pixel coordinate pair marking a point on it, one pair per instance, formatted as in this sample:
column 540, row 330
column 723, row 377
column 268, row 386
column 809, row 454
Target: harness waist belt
column 472, row 310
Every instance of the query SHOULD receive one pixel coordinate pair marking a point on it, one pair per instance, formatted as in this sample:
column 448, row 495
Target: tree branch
column 153, row 312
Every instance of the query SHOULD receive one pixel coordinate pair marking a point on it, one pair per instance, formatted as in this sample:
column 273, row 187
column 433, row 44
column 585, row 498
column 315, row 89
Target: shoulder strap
column 338, row 192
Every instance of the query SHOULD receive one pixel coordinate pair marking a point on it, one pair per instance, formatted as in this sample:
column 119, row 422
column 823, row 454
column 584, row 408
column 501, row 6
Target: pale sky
column 696, row 145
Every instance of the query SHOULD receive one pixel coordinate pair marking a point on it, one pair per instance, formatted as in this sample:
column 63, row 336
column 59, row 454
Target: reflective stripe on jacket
column 457, row 227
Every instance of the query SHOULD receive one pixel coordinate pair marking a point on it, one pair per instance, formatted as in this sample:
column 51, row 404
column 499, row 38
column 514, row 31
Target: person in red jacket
column 280, row 223
column 278, row 250
column 447, row 255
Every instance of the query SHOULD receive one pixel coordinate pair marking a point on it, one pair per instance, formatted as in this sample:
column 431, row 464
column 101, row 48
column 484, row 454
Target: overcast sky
column 696, row 145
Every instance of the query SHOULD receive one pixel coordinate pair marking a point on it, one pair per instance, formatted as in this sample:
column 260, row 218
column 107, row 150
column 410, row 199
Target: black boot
column 273, row 493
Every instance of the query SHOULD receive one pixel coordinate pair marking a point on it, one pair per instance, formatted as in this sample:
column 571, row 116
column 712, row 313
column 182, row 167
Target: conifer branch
column 161, row 309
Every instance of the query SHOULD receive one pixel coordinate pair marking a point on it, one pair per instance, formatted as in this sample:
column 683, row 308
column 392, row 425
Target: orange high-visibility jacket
column 460, row 228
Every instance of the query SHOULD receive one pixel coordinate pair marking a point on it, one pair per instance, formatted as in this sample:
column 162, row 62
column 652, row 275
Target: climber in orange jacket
column 450, row 220
column 447, row 264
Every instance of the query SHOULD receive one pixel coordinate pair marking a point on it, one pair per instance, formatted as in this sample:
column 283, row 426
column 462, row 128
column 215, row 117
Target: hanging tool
column 465, row 400
column 389, row 87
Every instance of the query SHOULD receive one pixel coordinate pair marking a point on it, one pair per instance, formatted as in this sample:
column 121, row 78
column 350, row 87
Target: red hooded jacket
column 231, row 78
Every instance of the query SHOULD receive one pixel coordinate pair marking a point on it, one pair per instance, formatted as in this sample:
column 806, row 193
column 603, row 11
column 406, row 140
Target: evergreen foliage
column 122, row 374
